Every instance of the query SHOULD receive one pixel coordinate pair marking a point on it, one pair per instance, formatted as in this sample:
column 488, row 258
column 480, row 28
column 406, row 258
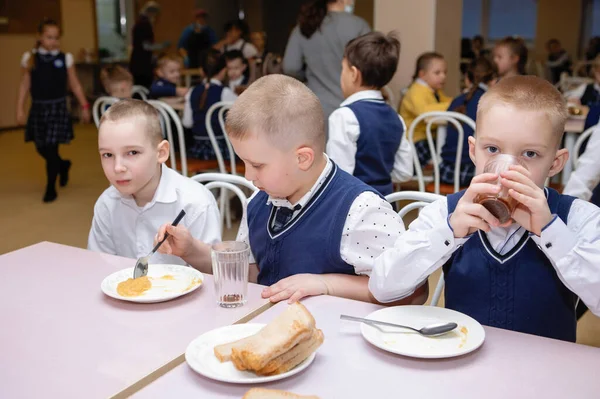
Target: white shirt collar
column 166, row 192
column 363, row 95
column 236, row 82
column 483, row 86
column 216, row 82
column 43, row 51
column 306, row 197
column 423, row 83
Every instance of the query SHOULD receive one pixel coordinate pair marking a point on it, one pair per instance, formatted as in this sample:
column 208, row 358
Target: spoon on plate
column 428, row 331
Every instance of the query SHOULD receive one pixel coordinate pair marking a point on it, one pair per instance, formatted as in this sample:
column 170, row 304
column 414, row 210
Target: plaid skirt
column 202, row 149
column 49, row 123
column 423, row 153
column 467, row 172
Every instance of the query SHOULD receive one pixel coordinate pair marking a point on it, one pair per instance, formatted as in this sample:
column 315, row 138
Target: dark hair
column 516, row 45
column 234, row 55
column 239, row 24
column 375, row 55
column 478, row 38
column 424, row 60
column 311, row 16
column 479, row 71
column 31, row 64
column 212, row 62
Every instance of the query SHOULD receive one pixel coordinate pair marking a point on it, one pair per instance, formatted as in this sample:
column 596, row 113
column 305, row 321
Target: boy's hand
column 468, row 217
column 532, row 212
column 296, row 287
column 179, row 242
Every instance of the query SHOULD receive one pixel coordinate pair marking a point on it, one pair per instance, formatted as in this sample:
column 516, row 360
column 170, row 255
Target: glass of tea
column 230, row 272
column 500, row 205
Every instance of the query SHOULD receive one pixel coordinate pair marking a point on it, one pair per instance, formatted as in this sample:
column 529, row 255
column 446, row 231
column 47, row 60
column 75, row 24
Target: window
column 495, row 19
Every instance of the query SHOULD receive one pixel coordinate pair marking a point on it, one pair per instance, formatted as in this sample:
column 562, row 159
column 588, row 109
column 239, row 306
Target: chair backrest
column 226, row 177
column 432, row 118
column 232, row 158
column 100, row 106
column 169, row 115
column 580, row 140
column 211, row 133
column 140, row 91
column 421, row 201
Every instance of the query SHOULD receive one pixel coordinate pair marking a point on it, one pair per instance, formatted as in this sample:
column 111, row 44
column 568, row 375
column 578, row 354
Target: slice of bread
column 262, row 393
column 301, row 351
column 223, row 352
column 292, row 326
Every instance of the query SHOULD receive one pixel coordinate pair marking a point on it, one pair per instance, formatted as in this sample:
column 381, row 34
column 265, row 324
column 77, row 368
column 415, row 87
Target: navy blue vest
column 162, row 88
column 49, row 77
column 310, row 243
column 518, row 291
column 590, row 96
column 378, row 142
column 214, row 96
column 450, row 146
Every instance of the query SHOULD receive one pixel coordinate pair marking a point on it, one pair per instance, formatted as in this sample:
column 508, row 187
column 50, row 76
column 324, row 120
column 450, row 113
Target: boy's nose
column 119, row 166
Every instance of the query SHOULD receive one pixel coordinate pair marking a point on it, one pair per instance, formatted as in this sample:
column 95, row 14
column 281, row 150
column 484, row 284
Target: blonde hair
column 166, row 58
column 281, row 108
column 130, row 108
column 528, row 93
column 114, row 74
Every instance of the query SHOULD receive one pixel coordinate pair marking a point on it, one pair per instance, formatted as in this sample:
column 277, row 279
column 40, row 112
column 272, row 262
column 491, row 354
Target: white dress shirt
column 247, row 48
column 188, row 116
column 574, row 251
column 43, row 51
column 587, row 172
column 235, row 83
column 579, row 90
column 344, row 131
column 371, row 226
column 120, row 227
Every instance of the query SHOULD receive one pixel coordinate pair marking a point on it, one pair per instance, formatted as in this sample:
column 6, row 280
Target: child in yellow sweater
column 424, row 95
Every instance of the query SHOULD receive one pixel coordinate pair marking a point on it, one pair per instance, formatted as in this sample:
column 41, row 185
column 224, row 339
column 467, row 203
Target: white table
column 61, row 337
column 508, row 365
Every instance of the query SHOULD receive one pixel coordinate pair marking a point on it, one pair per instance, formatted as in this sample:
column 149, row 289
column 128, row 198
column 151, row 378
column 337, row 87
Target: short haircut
column 281, row 108
column 166, row 58
column 517, row 47
column 424, row 61
column 114, row 74
column 375, row 55
column 234, row 55
column 527, row 93
column 239, row 24
column 130, row 108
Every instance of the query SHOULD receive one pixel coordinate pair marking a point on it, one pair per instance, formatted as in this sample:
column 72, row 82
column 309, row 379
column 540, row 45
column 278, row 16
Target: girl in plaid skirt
column 46, row 72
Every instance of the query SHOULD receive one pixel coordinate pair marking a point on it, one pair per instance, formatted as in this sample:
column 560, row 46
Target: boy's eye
column 492, row 150
column 133, row 152
column 530, row 154
column 257, row 166
column 106, row 155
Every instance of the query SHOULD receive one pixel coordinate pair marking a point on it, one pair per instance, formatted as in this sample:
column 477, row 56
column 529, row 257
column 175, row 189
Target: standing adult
column 140, row 63
column 196, row 38
column 316, row 47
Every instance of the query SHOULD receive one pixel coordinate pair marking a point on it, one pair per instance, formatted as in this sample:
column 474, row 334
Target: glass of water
column 230, row 272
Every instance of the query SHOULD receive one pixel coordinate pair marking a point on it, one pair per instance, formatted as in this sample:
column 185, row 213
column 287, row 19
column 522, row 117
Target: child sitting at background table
column 117, row 81
column 198, row 101
column 312, row 228
column 144, row 193
column 425, row 95
column 168, row 70
column 510, row 57
column 237, row 70
column 526, row 274
column 480, row 74
column 366, row 134
column 587, row 94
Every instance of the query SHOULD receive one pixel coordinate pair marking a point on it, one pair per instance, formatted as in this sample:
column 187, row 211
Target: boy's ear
column 163, row 151
column 472, row 148
column 560, row 159
column 159, row 73
column 356, row 76
column 305, row 157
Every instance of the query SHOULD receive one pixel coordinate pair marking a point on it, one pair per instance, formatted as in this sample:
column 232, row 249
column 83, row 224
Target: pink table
column 61, row 337
column 508, row 365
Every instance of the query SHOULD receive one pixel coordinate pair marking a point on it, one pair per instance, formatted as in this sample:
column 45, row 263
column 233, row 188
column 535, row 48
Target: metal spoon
column 141, row 266
column 428, row 331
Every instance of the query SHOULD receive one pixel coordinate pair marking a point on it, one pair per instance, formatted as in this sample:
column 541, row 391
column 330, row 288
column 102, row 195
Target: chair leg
column 438, row 291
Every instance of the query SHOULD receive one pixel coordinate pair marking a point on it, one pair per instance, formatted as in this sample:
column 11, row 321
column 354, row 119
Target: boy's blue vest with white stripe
column 310, row 243
column 518, row 291
column 163, row 88
column 380, row 134
column 214, row 96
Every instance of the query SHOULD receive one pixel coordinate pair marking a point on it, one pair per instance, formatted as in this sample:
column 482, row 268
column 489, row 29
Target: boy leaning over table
column 312, row 228
column 527, row 274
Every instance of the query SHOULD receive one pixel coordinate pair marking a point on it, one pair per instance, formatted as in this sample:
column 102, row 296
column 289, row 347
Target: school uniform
column 195, row 119
column 467, row 168
column 366, row 140
column 588, row 94
column 584, row 182
column 340, row 225
column 241, row 81
column 163, row 88
column 421, row 98
column 248, row 49
column 121, row 227
column 507, row 278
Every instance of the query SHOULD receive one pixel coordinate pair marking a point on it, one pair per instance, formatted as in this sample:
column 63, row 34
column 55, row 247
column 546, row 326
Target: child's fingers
column 480, row 212
column 520, row 169
column 526, row 200
column 476, row 189
column 161, row 232
column 520, row 187
column 517, row 176
column 484, row 177
column 297, row 295
column 474, row 221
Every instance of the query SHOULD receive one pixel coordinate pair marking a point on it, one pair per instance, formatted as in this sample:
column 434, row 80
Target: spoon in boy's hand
column 141, row 266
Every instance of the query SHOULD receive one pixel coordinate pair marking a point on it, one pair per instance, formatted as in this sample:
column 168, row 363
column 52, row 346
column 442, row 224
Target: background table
column 508, row 365
column 61, row 337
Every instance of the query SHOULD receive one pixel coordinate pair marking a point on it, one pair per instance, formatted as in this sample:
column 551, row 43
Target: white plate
column 402, row 342
column 201, row 357
column 162, row 290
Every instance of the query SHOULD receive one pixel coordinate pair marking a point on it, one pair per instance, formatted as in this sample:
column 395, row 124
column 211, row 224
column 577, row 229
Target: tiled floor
column 25, row 220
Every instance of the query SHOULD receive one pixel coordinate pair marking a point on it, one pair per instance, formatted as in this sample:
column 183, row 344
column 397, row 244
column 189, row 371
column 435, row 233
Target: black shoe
column 64, row 173
column 50, row 195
